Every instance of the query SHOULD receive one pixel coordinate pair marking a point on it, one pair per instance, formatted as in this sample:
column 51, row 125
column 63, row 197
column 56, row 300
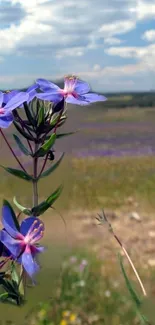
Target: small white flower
column 81, row 283
column 107, row 293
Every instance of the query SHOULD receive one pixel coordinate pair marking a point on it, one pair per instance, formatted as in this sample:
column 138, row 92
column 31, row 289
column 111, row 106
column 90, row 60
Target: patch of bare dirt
column 82, row 229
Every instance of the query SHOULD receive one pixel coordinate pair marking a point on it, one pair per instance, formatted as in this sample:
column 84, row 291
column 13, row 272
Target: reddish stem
column 43, row 166
column 5, row 261
column 58, row 121
column 12, row 151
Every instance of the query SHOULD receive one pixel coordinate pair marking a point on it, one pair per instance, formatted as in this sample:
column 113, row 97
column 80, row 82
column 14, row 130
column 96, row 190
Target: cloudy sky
column 109, row 43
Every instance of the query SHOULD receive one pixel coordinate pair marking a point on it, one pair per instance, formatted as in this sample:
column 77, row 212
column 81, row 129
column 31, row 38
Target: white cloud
column 62, row 29
column 145, row 55
column 96, row 68
column 120, row 27
column 127, row 52
column 109, row 71
column 54, row 23
column 144, row 9
column 77, row 51
column 112, row 41
column 149, row 35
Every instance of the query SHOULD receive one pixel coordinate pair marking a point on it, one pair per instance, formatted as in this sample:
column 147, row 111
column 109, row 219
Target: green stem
column 35, row 181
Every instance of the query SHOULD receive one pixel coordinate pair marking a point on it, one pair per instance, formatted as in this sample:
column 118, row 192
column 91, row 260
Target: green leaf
column 22, row 132
column 18, row 173
column 21, row 282
column 5, row 202
column 60, row 135
column 14, row 273
column 45, row 205
column 4, row 296
column 29, row 115
column 62, row 120
column 21, row 145
column 41, row 115
column 46, row 146
column 12, row 293
column 133, row 293
column 54, row 196
column 21, row 208
column 52, row 168
column 54, row 119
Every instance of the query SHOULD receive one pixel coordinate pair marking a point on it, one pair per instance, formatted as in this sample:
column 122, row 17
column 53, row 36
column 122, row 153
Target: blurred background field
column 109, row 163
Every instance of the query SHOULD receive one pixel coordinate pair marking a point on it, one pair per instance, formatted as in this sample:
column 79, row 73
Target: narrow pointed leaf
column 46, row 146
column 5, row 202
column 61, row 135
column 45, row 205
column 41, row 115
column 29, row 115
column 52, row 168
column 54, row 120
column 22, row 132
column 54, row 196
column 4, row 296
column 18, row 173
column 14, row 273
column 129, row 285
column 21, row 146
column 133, row 293
column 62, row 121
column 21, row 208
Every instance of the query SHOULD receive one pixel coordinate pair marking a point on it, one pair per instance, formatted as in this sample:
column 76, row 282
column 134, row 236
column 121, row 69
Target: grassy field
column 106, row 162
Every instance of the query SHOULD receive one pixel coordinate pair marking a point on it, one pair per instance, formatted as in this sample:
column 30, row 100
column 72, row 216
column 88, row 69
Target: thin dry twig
column 103, row 220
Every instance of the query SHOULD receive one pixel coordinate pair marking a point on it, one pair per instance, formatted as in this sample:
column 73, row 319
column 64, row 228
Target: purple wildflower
column 6, row 117
column 75, row 91
column 31, row 91
column 4, row 252
column 83, row 264
column 22, row 244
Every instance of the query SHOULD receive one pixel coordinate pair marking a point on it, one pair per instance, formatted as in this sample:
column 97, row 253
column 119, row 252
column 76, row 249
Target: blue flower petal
column 8, row 222
column 35, row 250
column 33, row 87
column 92, row 98
column 76, row 101
column 13, row 245
column 9, row 95
column 32, row 92
column 6, row 120
column 1, row 98
column 16, row 101
column 28, row 262
column 39, row 249
column 82, row 87
column 52, row 97
column 43, row 83
column 27, row 223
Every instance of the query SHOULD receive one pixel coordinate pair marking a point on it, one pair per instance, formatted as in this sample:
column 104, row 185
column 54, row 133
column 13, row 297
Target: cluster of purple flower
column 75, row 92
column 19, row 242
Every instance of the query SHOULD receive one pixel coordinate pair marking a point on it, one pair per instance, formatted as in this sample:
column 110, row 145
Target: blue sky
column 108, row 43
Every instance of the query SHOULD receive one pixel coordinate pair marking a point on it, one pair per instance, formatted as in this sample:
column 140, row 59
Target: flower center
column 2, row 110
column 35, row 233
column 69, row 86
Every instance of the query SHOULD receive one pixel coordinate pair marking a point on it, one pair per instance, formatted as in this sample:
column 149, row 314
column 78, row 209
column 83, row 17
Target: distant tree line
column 122, row 100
